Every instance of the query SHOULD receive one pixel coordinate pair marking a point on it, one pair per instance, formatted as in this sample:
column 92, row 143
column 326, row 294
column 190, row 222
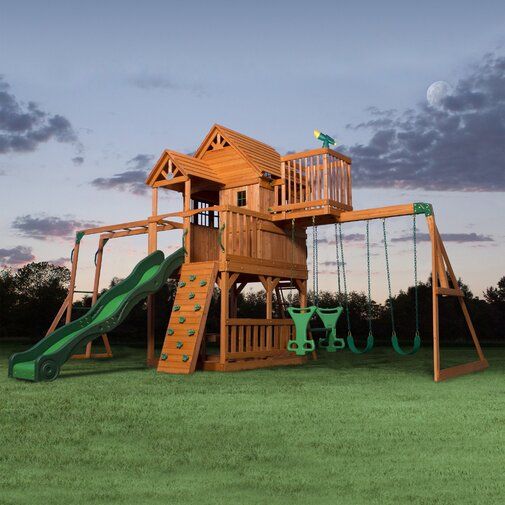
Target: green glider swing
column 417, row 337
column 302, row 316
column 341, row 263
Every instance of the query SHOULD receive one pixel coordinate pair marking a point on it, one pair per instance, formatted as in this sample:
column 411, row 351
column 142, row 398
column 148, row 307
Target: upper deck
column 312, row 183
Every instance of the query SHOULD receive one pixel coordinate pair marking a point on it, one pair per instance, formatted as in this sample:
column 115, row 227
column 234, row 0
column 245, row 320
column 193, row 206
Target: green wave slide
column 43, row 361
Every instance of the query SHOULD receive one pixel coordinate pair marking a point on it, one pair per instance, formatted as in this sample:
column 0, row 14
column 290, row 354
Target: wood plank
column 458, row 370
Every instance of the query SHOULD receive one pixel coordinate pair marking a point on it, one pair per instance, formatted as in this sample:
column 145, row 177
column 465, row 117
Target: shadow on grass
column 95, row 371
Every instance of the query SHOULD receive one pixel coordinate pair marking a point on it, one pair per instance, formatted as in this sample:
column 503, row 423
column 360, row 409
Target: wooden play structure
column 244, row 218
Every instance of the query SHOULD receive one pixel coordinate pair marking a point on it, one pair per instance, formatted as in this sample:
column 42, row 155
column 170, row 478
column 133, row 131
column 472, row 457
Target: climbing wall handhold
column 191, row 295
column 203, row 283
column 170, row 331
column 182, row 284
column 182, row 319
column 179, row 344
column 197, row 307
column 164, row 357
column 191, row 332
column 177, row 308
column 192, row 277
column 185, row 357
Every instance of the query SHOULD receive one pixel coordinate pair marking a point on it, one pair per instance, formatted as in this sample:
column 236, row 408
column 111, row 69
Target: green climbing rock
column 192, row 277
column 170, row 331
column 176, row 308
column 191, row 295
column 182, row 284
column 197, row 307
column 185, row 357
column 191, row 332
column 179, row 344
column 164, row 357
column 182, row 319
column 203, row 283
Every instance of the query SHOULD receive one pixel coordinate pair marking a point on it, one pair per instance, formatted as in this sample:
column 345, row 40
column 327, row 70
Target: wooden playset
column 245, row 213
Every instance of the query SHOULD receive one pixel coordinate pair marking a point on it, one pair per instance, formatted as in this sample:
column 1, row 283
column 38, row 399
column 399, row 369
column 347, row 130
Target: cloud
column 447, row 237
column 163, row 82
column 18, row 255
column 78, row 160
column 153, row 81
column 44, row 227
column 60, row 262
column 132, row 180
column 23, row 127
column 456, row 146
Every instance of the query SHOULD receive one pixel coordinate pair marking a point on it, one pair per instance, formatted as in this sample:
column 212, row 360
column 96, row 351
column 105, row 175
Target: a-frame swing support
column 442, row 285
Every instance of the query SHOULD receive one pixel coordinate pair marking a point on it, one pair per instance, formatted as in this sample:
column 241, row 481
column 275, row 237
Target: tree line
column 31, row 296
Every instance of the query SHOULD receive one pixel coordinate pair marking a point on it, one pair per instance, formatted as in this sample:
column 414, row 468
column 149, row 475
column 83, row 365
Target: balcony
column 313, row 183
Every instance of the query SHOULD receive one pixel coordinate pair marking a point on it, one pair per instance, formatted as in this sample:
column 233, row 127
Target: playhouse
column 245, row 214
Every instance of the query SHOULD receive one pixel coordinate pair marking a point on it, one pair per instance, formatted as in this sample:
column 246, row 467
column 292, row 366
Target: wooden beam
column 170, row 182
column 456, row 371
column 224, row 316
column 71, row 287
column 376, row 213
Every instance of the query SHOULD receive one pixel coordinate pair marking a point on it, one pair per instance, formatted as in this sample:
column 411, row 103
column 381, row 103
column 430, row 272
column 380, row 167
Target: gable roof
column 261, row 157
column 187, row 165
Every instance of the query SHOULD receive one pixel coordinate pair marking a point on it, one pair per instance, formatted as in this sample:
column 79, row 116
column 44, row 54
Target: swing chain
column 388, row 278
column 344, row 279
column 315, row 274
column 292, row 259
column 338, row 263
column 369, row 273
column 416, row 295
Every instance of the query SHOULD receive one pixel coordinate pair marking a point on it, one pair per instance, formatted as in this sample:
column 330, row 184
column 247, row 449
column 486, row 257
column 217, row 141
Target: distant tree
column 7, row 301
column 496, row 295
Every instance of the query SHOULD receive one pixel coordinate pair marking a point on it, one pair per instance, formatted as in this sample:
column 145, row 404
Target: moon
column 437, row 91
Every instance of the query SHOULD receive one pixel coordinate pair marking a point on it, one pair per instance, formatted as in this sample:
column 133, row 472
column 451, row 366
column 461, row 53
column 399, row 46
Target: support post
column 224, row 286
column 71, row 287
column 152, row 245
column 187, row 219
column 434, row 284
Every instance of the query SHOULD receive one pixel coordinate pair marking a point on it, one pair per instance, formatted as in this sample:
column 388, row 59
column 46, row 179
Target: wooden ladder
column 189, row 315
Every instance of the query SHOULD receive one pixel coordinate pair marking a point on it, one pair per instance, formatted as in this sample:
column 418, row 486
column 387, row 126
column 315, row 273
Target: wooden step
column 180, row 349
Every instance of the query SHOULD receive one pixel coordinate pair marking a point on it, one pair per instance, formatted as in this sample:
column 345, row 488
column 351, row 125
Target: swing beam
column 444, row 281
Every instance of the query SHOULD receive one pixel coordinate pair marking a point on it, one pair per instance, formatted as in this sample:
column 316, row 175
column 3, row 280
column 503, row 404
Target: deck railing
column 314, row 178
column 258, row 338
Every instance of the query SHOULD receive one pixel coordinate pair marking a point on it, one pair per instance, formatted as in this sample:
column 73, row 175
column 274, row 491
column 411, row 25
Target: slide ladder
column 188, row 318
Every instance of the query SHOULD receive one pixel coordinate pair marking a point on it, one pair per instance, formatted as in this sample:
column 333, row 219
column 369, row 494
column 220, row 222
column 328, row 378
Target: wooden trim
column 376, row 213
column 259, row 322
column 456, row 371
column 171, row 182
column 252, row 364
column 71, row 287
column 449, row 292
column 315, row 152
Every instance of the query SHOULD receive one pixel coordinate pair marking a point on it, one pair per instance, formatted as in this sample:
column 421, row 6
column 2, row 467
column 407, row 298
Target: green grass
column 345, row 429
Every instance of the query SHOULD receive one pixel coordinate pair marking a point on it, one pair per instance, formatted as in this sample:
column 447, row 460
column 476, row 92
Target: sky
column 92, row 92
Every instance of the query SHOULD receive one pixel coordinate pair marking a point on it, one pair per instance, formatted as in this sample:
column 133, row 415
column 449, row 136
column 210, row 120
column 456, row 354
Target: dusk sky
column 92, row 92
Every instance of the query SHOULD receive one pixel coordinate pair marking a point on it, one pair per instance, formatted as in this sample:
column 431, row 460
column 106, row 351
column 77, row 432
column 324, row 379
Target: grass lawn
column 345, row 429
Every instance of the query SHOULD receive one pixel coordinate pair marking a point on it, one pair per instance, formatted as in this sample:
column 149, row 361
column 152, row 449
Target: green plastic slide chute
column 44, row 360
column 329, row 317
column 301, row 316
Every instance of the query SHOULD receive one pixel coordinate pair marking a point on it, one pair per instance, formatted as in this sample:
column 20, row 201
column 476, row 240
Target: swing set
column 302, row 317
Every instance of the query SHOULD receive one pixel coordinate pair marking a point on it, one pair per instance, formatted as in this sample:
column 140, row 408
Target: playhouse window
column 241, row 199
column 207, row 218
